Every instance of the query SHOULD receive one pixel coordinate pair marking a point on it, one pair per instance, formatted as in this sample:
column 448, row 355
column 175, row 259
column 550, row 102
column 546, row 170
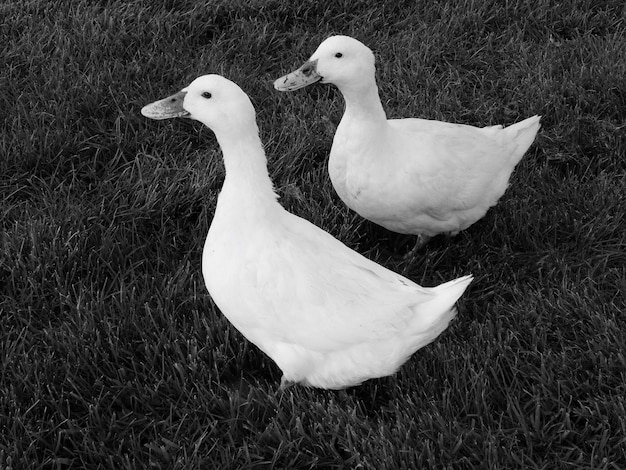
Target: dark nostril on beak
column 308, row 68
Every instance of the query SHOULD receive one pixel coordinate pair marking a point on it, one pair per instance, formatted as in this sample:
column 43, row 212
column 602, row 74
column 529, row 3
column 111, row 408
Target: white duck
column 326, row 315
column 412, row 176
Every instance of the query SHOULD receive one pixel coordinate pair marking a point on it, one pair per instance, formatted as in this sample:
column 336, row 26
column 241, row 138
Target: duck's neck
column 363, row 102
column 246, row 166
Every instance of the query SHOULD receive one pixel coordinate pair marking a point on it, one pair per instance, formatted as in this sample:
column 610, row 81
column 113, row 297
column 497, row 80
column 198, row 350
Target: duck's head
column 211, row 99
column 340, row 60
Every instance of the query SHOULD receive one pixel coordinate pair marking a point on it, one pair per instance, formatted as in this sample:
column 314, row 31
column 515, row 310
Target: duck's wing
column 466, row 146
column 490, row 146
column 460, row 163
column 315, row 292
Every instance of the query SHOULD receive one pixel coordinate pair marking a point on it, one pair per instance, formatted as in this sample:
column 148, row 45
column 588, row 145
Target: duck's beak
column 300, row 78
column 170, row 107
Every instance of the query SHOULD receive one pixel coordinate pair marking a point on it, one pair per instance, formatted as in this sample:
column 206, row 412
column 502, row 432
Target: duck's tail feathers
column 437, row 312
column 523, row 134
column 435, row 315
column 449, row 292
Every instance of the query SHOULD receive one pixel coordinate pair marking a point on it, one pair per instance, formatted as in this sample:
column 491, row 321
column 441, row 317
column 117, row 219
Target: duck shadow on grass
column 402, row 253
column 371, row 399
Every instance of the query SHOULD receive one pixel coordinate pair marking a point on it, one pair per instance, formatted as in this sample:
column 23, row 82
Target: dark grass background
column 112, row 354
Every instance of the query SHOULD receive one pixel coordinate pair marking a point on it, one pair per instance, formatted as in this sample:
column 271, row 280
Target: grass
column 112, row 354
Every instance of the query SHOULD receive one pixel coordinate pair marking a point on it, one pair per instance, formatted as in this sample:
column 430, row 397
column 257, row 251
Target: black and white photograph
column 271, row 234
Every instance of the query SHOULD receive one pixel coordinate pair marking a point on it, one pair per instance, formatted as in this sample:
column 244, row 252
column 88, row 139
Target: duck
column 412, row 176
column 326, row 315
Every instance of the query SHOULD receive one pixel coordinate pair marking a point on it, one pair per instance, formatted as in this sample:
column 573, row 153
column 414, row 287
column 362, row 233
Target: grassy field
column 112, row 353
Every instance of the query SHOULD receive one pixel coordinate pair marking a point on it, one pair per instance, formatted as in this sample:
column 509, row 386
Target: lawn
column 112, row 352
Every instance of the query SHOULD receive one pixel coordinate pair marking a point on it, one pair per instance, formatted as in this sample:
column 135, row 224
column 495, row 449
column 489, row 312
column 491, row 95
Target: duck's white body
column 424, row 177
column 412, row 176
column 326, row 315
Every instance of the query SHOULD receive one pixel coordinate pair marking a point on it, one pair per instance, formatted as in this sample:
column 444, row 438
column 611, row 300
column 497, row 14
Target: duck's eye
column 339, row 55
column 206, row 95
